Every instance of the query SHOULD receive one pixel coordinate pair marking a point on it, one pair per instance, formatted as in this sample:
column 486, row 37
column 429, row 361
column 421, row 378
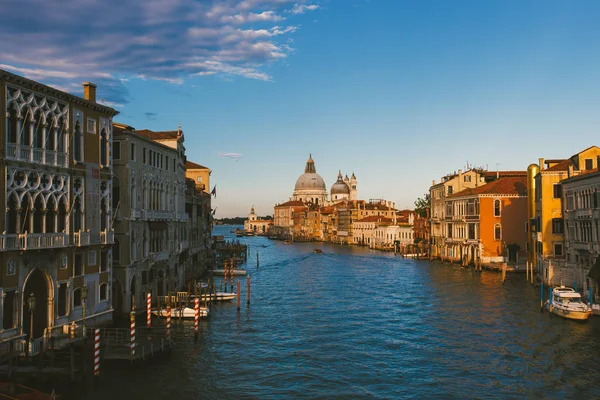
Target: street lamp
column 84, row 294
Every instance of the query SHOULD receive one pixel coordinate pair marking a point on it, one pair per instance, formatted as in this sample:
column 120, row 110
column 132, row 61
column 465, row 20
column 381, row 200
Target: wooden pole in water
column 542, row 296
column 196, row 316
column 148, row 309
column 97, row 353
column 238, row 294
column 550, row 306
column 257, row 263
column 503, row 273
column 132, row 335
column 248, row 289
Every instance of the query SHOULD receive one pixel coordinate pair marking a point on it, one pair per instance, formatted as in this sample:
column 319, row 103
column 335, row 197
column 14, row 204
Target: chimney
column 570, row 173
column 433, row 182
column 460, row 172
column 89, row 91
column 541, row 163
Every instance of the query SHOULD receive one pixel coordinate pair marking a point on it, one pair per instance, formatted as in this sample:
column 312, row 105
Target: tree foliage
column 422, row 204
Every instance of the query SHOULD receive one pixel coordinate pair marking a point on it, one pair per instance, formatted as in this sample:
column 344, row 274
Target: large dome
column 310, row 181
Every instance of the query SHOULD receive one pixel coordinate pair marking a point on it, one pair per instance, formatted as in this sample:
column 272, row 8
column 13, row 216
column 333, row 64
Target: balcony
column 458, row 218
column 33, row 241
column 135, row 214
column 583, row 214
column 107, row 237
column 184, row 217
column 35, row 155
column 81, row 239
column 157, row 215
column 159, row 256
column 583, row 246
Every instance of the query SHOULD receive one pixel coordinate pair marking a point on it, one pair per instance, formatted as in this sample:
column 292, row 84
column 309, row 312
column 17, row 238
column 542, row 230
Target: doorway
column 36, row 284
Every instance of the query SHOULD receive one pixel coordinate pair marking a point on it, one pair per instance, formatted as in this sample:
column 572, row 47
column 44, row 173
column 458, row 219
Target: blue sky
column 399, row 92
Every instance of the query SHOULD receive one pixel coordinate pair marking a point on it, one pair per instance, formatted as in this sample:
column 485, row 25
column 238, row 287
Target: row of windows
column 149, row 157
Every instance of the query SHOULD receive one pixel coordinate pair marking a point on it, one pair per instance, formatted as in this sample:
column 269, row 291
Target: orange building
column 488, row 223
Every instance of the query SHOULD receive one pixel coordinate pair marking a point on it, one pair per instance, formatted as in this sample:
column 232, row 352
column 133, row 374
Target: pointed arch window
column 77, row 142
column 104, row 148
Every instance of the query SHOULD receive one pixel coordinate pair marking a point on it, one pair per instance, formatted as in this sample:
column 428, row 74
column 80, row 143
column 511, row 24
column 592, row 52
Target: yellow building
column 547, row 227
column 200, row 174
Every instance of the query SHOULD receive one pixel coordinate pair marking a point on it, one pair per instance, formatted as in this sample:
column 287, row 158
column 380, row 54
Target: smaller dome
column 340, row 187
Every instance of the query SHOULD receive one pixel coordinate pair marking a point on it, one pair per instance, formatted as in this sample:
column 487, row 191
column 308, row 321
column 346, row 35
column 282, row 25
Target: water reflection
column 354, row 323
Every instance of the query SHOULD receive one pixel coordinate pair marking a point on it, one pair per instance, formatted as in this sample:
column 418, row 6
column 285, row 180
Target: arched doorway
column 37, row 283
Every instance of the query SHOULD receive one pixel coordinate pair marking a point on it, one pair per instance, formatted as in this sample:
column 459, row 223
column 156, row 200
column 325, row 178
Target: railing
column 135, row 214
column 583, row 246
column 36, row 155
column 183, row 217
column 157, row 215
column 107, row 237
column 585, row 213
column 81, row 238
column 160, row 256
column 33, row 241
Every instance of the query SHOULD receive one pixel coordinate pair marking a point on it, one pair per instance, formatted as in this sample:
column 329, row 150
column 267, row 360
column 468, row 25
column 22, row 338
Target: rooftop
column 193, row 165
column 504, row 186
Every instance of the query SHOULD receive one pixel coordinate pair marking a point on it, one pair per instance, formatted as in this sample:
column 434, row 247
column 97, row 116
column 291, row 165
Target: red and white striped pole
column 97, row 352
column 168, row 319
column 248, row 289
column 132, row 334
column 149, row 309
column 196, row 316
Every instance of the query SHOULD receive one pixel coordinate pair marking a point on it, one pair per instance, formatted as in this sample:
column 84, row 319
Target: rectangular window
column 150, row 157
column 144, row 155
column 92, row 258
column 167, row 162
column 558, row 249
column 558, row 225
column 132, row 156
column 103, row 291
column 450, row 190
column 91, row 125
column 174, row 166
column 78, row 265
column 557, row 187
column 496, row 208
column 467, row 178
column 116, row 150
column 497, row 232
column 589, row 164
column 450, row 230
column 472, row 232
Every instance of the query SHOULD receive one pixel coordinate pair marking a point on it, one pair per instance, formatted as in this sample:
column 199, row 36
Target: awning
column 595, row 271
column 157, row 226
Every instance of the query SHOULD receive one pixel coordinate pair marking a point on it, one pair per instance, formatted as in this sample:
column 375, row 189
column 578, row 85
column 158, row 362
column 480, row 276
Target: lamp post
column 31, row 306
column 84, row 294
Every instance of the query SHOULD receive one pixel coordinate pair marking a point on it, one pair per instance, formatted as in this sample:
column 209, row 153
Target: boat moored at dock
column 566, row 302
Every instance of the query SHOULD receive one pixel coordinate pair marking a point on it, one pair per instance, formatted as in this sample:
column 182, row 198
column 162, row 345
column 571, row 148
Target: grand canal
column 355, row 323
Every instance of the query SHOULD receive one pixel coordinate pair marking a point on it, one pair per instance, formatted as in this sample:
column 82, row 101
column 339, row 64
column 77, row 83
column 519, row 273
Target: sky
column 400, row 92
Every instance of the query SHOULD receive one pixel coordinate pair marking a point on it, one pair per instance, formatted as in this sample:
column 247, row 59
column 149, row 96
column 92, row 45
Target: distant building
column 200, row 174
column 257, row 225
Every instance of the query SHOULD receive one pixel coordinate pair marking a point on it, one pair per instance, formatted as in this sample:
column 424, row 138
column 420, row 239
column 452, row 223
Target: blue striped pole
column 550, row 300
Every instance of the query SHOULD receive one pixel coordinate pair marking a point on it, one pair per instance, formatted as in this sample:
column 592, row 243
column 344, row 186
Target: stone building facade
column 57, row 232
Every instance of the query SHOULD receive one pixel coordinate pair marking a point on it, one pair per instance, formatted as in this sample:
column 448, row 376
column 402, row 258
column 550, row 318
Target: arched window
column 77, row 297
column 497, row 232
column 77, row 142
column 103, row 291
column 496, row 208
column 11, row 126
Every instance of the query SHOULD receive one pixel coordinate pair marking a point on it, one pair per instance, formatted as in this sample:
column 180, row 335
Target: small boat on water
column 249, row 233
column 566, row 303
column 219, row 296
column 185, row 312
column 239, row 233
column 287, row 242
column 318, row 251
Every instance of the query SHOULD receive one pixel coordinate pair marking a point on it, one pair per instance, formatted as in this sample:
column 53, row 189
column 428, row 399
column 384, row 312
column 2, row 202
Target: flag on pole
column 214, row 191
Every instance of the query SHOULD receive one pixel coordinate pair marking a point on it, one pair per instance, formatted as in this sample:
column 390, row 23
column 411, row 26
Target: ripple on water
column 354, row 323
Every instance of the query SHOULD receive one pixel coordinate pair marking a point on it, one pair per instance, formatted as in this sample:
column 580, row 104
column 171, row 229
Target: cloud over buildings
column 112, row 42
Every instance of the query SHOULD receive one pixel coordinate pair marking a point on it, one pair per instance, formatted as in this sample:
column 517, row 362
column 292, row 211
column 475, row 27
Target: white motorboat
column 188, row 312
column 219, row 296
column 236, row 272
column 567, row 303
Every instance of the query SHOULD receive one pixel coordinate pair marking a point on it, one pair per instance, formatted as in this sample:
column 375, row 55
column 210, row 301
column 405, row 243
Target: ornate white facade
column 57, row 226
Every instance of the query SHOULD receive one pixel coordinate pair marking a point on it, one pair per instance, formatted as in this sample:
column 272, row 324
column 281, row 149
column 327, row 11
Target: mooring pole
column 248, row 289
column 238, row 294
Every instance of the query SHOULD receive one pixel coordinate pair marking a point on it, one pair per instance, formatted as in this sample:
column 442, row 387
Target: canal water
column 356, row 323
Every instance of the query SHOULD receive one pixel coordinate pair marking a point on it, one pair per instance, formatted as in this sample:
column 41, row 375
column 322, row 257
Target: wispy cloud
column 302, row 8
column 151, row 115
column 112, row 42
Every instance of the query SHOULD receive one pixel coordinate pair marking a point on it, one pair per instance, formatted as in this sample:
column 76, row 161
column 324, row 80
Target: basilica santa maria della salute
column 311, row 188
